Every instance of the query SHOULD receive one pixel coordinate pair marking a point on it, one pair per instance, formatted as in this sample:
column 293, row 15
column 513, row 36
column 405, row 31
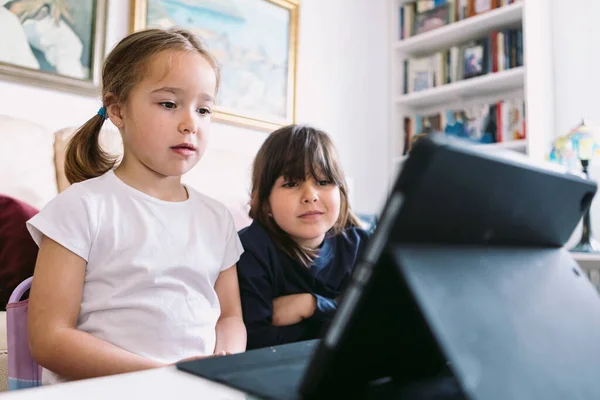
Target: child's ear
column 114, row 109
column 268, row 209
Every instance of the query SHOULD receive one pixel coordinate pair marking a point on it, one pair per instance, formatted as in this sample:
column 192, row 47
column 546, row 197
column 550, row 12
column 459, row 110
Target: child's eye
column 290, row 184
column 204, row 111
column 324, row 183
column 168, row 104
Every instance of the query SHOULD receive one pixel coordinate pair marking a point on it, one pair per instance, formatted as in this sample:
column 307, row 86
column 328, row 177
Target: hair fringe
column 84, row 158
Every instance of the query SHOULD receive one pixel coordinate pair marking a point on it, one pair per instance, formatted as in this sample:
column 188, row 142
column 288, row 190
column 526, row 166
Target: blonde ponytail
column 84, row 158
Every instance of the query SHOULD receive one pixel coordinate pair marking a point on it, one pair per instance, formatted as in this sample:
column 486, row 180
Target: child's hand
column 293, row 308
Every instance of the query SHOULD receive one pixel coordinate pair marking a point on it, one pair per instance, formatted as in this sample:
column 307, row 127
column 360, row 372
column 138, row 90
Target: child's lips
column 311, row 215
column 185, row 149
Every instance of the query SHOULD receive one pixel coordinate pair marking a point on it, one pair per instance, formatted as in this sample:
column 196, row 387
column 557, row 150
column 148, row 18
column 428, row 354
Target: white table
column 167, row 383
column 161, row 383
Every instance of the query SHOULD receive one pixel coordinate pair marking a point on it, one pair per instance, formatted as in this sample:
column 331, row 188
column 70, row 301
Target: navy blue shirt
column 265, row 273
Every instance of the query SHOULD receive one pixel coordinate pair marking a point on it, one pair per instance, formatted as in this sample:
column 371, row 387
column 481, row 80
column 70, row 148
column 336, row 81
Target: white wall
column 342, row 88
column 576, row 33
column 344, row 82
column 576, row 62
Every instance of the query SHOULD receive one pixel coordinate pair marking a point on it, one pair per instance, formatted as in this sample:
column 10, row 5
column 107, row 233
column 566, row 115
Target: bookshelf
column 510, row 80
column 505, row 17
column 533, row 81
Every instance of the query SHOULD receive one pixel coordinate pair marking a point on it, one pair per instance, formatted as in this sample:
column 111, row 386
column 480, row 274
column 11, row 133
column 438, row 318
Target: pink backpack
column 23, row 371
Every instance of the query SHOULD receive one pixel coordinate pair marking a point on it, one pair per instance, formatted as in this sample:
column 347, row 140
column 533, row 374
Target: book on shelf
column 498, row 51
column 423, row 16
column 499, row 122
column 511, row 120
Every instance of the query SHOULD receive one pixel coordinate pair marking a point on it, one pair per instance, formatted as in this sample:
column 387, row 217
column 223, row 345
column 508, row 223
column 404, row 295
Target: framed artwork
column 255, row 42
column 53, row 43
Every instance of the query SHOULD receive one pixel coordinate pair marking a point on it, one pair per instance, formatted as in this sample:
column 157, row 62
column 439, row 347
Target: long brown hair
column 295, row 152
column 123, row 69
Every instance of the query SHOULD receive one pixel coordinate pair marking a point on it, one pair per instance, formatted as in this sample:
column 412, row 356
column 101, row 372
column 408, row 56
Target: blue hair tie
column 102, row 112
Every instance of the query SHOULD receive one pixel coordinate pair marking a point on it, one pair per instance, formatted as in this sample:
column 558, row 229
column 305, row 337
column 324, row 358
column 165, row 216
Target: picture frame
column 255, row 42
column 475, row 59
column 57, row 48
column 432, row 19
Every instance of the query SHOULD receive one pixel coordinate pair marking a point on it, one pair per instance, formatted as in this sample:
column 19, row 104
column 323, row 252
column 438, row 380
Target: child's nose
column 310, row 195
column 188, row 125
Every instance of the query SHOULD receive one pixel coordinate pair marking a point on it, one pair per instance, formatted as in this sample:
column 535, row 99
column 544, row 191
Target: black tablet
column 465, row 286
column 463, row 292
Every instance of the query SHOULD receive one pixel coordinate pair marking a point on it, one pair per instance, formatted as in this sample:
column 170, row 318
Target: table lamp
column 580, row 146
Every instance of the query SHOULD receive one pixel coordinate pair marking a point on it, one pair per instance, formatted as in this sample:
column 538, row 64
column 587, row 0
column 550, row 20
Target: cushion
column 110, row 141
column 18, row 251
column 27, row 168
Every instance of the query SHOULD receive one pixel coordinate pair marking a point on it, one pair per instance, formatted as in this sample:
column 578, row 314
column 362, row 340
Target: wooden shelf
column 485, row 85
column 461, row 31
column 586, row 256
column 513, row 145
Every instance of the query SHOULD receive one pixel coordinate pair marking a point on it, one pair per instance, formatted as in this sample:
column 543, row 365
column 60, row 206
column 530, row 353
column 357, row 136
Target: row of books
column 499, row 122
column 423, row 16
column 499, row 51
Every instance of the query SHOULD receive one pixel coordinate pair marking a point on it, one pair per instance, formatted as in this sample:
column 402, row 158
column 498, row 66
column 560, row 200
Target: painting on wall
column 53, row 43
column 255, row 42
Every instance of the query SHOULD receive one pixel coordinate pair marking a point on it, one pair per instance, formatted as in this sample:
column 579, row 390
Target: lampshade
column 575, row 150
column 580, row 144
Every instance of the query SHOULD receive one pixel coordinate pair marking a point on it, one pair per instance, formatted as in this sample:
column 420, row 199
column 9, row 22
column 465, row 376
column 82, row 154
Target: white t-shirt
column 151, row 265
